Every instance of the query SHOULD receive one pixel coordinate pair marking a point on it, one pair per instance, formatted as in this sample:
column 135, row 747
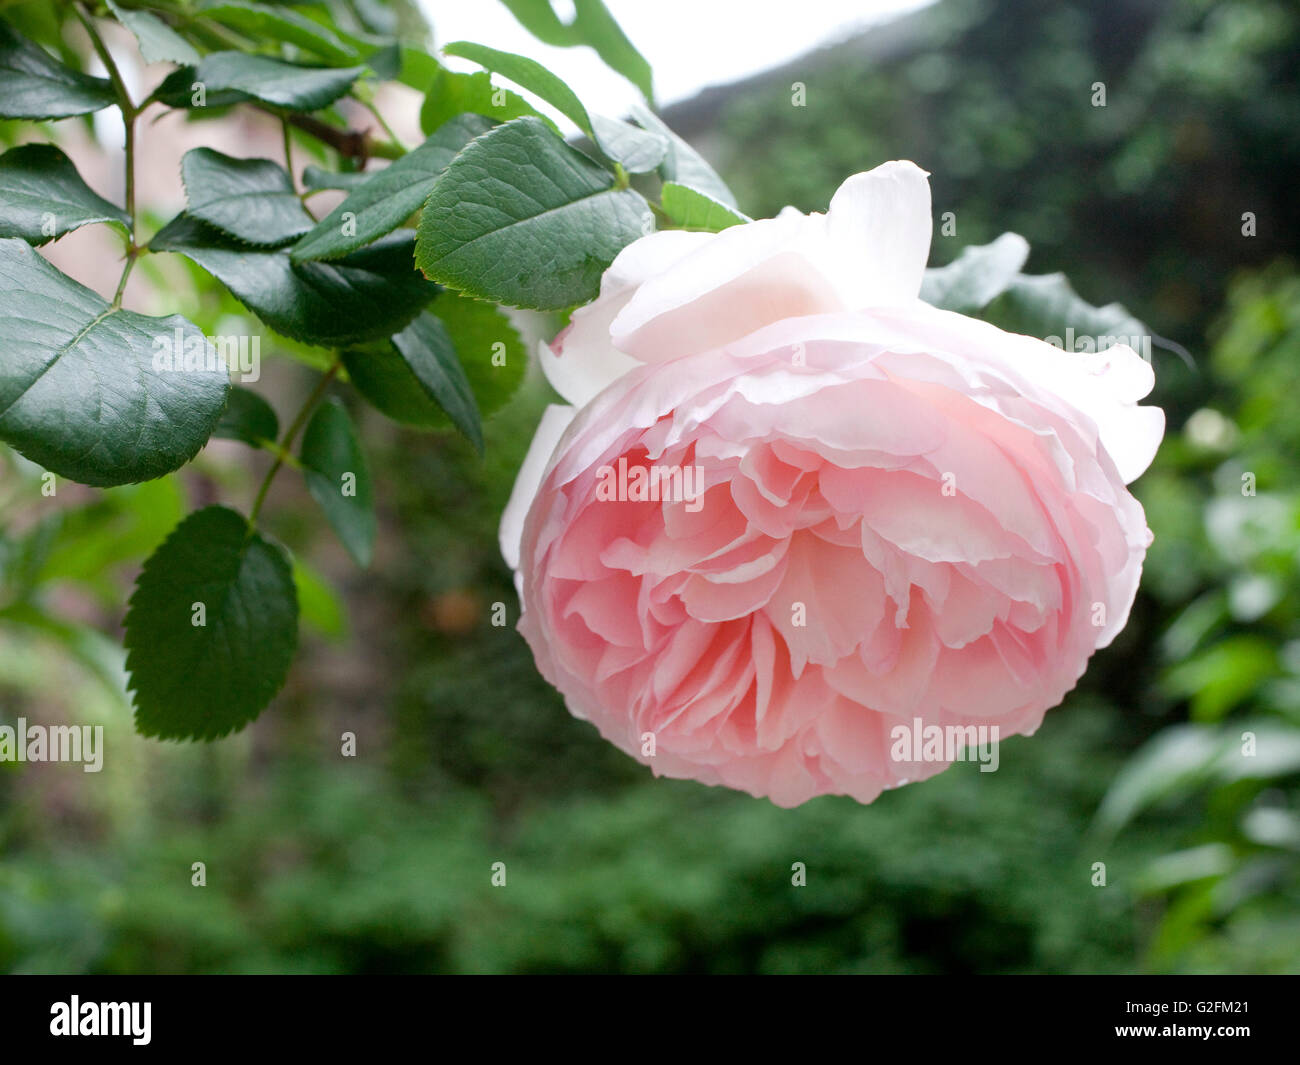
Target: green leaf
column 384, row 377
column 1276, row 751
column 592, row 25
column 159, row 43
column 386, row 63
column 83, row 391
column 115, row 530
column 487, row 353
column 1047, row 307
column 450, row 94
column 417, row 70
column 488, row 347
column 24, row 556
column 262, row 22
column 183, row 89
column 32, row 85
column 528, row 74
column 247, row 417
column 420, row 370
column 315, row 177
column 1174, row 762
column 691, row 209
column 250, row 199
column 1178, row 868
column 385, row 18
column 1222, row 676
column 42, row 196
column 369, row 294
column 338, row 478
column 977, row 276
column 320, row 605
column 636, row 150
column 229, row 77
column 521, row 218
column 390, row 196
column 986, row 281
column 101, row 656
column 683, row 164
column 200, row 682
column 1182, row 759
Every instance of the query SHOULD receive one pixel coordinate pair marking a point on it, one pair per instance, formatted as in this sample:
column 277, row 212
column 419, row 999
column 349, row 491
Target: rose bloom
column 884, row 516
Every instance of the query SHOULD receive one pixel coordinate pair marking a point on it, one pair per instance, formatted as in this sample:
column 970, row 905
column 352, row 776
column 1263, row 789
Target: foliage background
column 381, row 863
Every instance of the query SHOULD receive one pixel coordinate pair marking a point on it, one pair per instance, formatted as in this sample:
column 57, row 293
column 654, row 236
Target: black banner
column 1226, row 1015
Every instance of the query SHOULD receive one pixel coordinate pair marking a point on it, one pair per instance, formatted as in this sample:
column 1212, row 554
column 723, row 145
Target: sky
column 690, row 44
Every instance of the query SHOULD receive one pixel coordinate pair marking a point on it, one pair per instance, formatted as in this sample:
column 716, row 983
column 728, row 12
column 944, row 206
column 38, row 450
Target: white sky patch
column 691, row 44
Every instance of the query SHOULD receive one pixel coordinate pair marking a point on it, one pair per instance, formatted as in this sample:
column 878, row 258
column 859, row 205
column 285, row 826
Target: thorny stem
column 352, row 143
column 282, row 450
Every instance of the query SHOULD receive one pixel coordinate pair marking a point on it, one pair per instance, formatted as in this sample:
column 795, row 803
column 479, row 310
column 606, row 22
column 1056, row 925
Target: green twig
column 281, row 451
column 276, row 449
column 369, row 105
column 215, row 31
column 132, row 254
column 114, row 76
column 129, row 115
column 288, row 149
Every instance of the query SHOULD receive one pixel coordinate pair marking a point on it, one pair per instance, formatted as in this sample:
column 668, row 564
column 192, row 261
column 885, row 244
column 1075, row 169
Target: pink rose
column 794, row 513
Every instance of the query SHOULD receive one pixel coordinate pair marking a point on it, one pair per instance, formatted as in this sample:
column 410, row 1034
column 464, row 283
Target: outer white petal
column 651, row 255
column 581, row 361
column 878, row 231
column 745, row 278
column 555, row 420
column 584, row 369
column 869, row 250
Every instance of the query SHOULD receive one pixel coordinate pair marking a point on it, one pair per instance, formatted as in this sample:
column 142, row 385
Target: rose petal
column 879, row 227
column 555, row 420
